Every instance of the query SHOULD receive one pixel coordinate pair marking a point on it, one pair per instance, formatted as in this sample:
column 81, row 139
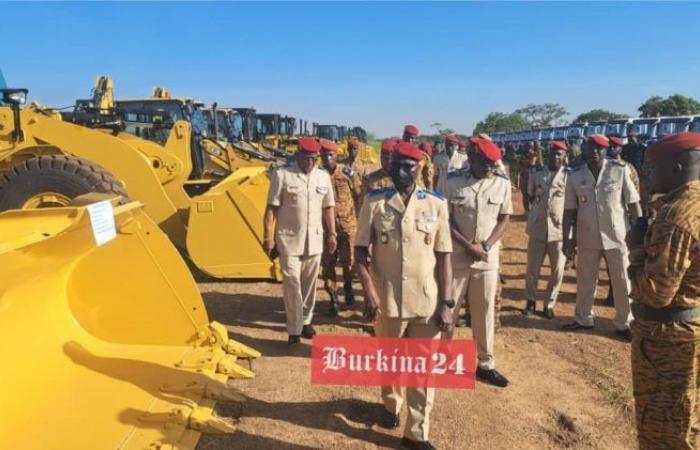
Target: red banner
column 409, row 362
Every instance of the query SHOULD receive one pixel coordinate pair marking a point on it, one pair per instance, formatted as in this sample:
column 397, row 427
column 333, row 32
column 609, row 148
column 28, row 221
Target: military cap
column 600, row 140
column 616, row 141
column 411, row 130
column 558, row 146
column 672, row 144
column 488, row 149
column 408, row 150
column 426, row 147
column 452, row 139
column 328, row 145
column 309, row 145
column 388, row 146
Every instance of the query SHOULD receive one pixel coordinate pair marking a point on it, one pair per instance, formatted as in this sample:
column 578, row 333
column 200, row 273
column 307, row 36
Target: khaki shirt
column 548, row 190
column 475, row 205
column 444, row 164
column 404, row 240
column 301, row 199
column 668, row 272
column 601, row 222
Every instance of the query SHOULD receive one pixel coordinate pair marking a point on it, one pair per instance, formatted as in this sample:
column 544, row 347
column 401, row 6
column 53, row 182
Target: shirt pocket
column 585, row 194
column 493, row 204
column 426, row 230
column 293, row 193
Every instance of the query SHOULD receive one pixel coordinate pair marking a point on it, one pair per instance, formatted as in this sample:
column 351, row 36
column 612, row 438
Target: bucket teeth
column 227, row 365
column 213, row 390
column 200, row 418
column 242, row 351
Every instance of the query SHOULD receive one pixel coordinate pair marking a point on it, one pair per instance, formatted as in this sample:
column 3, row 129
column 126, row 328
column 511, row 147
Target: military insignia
column 428, row 239
column 420, row 195
column 348, row 171
column 387, row 217
column 321, row 189
column 384, row 238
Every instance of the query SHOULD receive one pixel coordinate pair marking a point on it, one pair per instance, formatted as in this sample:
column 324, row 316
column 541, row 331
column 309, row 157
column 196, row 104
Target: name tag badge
column 384, row 237
column 321, row 189
column 610, row 187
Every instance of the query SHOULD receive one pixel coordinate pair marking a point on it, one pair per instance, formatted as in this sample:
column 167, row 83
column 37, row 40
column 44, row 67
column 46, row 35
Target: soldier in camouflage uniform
column 380, row 178
column 665, row 274
column 425, row 180
column 355, row 164
column 347, row 190
column 527, row 162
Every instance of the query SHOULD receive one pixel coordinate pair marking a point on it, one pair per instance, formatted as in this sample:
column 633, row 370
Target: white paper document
column 102, row 220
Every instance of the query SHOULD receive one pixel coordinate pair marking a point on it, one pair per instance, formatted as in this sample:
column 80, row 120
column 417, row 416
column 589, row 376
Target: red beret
column 452, row 139
column 488, row 149
column 558, row 145
column 474, row 139
column 309, row 145
column 599, row 139
column 328, row 146
column 408, row 150
column 672, row 145
column 388, row 146
column 616, row 141
column 411, row 130
column 426, row 147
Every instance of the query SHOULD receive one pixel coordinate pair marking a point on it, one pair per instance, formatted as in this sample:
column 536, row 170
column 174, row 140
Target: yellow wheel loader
column 109, row 345
column 46, row 161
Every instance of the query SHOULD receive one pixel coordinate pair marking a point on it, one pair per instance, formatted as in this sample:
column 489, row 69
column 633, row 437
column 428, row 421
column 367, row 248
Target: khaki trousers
column 299, row 289
column 479, row 287
column 587, row 268
column 419, row 400
column 536, row 250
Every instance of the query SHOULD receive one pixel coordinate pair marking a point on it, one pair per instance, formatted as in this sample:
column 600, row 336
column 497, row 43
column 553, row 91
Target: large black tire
column 69, row 176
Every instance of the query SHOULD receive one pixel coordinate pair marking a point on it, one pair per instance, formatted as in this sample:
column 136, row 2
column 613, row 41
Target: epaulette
column 498, row 173
column 379, row 191
column 434, row 194
column 348, row 171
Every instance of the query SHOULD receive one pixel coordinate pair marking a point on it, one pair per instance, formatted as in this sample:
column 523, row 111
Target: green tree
column 544, row 115
column 598, row 114
column 497, row 121
column 675, row 105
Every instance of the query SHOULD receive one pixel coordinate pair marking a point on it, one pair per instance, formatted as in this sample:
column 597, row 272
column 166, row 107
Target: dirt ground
column 568, row 389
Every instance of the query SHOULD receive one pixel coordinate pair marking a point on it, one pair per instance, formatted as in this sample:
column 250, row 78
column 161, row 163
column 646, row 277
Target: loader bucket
column 105, row 346
column 225, row 227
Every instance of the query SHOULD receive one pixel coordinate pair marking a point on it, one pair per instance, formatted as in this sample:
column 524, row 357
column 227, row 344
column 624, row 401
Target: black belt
column 668, row 314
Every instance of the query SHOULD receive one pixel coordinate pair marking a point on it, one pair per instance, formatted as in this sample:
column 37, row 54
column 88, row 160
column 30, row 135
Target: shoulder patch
column 435, row 194
column 348, row 171
column 380, row 191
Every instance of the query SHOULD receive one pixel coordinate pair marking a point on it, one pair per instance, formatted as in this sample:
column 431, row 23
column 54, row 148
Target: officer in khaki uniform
column 546, row 189
column 599, row 195
column 450, row 160
column 299, row 200
column 665, row 272
column 408, row 231
column 480, row 207
column 346, row 190
column 380, row 178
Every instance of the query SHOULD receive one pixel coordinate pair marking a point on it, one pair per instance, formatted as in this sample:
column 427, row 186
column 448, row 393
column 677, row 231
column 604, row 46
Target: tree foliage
column 675, row 105
column 498, row 122
column 598, row 114
column 544, row 115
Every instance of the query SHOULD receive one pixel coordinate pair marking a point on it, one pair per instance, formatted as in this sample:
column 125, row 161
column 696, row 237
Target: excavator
column 151, row 156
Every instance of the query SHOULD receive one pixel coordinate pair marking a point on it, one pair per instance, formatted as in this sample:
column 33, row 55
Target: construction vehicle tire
column 54, row 180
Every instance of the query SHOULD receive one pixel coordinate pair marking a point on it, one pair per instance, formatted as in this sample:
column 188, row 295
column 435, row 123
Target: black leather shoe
column 548, row 313
column 334, row 307
column 492, row 377
column 389, row 420
column 573, row 326
column 416, row 445
column 307, row 332
column 530, row 308
column 293, row 340
column 625, row 334
column 349, row 294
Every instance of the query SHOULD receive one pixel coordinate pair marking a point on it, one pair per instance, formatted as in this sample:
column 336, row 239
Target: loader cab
column 645, row 128
column 248, row 123
column 330, row 132
column 220, row 124
column 695, row 124
column 671, row 125
column 546, row 135
column 617, row 128
column 559, row 133
column 359, row 133
column 267, row 125
column 287, row 126
column 597, row 127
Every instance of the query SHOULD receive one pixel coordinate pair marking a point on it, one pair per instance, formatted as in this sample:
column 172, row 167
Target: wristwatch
column 486, row 246
column 449, row 303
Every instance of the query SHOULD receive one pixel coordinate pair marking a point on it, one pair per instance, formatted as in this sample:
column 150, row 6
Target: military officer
column 527, row 162
column 408, row 230
column 425, row 181
column 615, row 152
column 547, row 186
column 480, row 208
column 355, row 164
column 299, row 200
column 410, row 133
column 347, row 187
column 599, row 195
column 665, row 272
column 380, row 178
column 449, row 160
